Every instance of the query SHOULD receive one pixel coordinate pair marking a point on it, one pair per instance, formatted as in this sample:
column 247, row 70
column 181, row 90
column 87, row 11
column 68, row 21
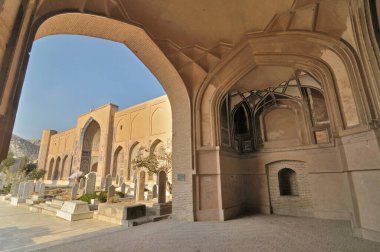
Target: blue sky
column 68, row 75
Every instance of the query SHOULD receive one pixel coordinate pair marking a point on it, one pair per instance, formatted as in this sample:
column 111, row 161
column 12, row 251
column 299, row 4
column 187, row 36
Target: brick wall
column 299, row 204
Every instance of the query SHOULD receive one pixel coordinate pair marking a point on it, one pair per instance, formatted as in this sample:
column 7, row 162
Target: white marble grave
column 74, row 210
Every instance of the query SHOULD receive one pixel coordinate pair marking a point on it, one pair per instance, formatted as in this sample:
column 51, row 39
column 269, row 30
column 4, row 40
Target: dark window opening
column 287, row 180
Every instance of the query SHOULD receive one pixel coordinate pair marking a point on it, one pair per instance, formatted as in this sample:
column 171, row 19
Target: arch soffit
column 154, row 144
column 269, row 50
column 118, row 149
column 85, row 127
column 133, row 146
column 267, row 165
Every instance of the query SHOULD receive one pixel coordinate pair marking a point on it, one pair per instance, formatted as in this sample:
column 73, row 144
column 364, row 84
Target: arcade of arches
column 275, row 104
column 93, row 146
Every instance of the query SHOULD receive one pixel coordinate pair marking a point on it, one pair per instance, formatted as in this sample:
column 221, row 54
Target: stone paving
column 251, row 233
column 22, row 230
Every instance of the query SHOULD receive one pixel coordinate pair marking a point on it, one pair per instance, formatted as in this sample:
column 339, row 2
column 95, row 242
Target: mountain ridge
column 22, row 147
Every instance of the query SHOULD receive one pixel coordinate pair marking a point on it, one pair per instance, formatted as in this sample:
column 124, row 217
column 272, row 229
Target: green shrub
column 6, row 189
column 88, row 197
column 102, row 197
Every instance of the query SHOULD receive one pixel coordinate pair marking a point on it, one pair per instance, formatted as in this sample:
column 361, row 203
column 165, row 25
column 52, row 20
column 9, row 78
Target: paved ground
column 23, row 230
column 253, row 233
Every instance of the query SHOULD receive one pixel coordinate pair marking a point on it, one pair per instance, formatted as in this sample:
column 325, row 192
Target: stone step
column 34, row 202
column 36, row 208
column 49, row 210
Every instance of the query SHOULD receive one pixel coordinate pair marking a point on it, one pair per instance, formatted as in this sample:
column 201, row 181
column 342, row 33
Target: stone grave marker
column 154, row 191
column 74, row 191
column 108, row 182
column 90, row 183
column 111, row 193
column 28, row 188
column 41, row 190
column 140, row 186
column 161, row 187
column 37, row 187
column 31, row 187
column 20, row 190
column 81, row 183
column 124, row 188
column 74, row 210
column 14, row 188
column 121, row 180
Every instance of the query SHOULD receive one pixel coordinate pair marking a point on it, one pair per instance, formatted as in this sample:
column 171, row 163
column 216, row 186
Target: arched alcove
column 287, row 182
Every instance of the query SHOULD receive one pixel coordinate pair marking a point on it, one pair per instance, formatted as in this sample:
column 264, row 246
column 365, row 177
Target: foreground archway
column 139, row 42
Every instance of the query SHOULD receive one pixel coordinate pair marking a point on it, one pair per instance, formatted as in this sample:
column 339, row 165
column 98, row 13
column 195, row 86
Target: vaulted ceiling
column 196, row 34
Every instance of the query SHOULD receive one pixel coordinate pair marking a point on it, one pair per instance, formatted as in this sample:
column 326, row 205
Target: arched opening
column 241, row 128
column 141, row 44
column 65, row 171
column 90, row 146
column 133, row 151
column 156, row 146
column 94, row 167
column 241, row 121
column 288, row 111
column 56, row 170
column 287, row 182
column 50, row 172
column 118, row 162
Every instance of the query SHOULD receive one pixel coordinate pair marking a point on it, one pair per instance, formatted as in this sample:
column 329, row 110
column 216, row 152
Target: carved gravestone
column 111, row 193
column 74, row 191
column 25, row 191
column 108, row 181
column 20, row 190
column 154, row 191
column 31, row 187
column 121, row 180
column 14, row 188
column 90, row 183
column 81, row 183
column 140, row 186
column 41, row 190
column 37, row 187
column 124, row 188
column 28, row 189
column 161, row 187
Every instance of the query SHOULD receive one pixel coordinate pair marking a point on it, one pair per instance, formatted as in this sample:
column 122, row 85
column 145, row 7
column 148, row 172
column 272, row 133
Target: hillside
column 21, row 147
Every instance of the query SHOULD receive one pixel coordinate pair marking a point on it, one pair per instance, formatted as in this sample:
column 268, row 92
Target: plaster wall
column 247, row 177
column 144, row 124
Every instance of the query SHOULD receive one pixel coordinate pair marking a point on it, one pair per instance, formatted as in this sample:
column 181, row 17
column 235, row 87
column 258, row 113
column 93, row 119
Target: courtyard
column 22, row 230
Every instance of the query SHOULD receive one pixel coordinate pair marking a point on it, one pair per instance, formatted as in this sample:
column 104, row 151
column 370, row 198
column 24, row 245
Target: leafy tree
column 31, row 171
column 7, row 162
column 28, row 167
column 149, row 162
column 154, row 163
column 165, row 160
column 36, row 174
